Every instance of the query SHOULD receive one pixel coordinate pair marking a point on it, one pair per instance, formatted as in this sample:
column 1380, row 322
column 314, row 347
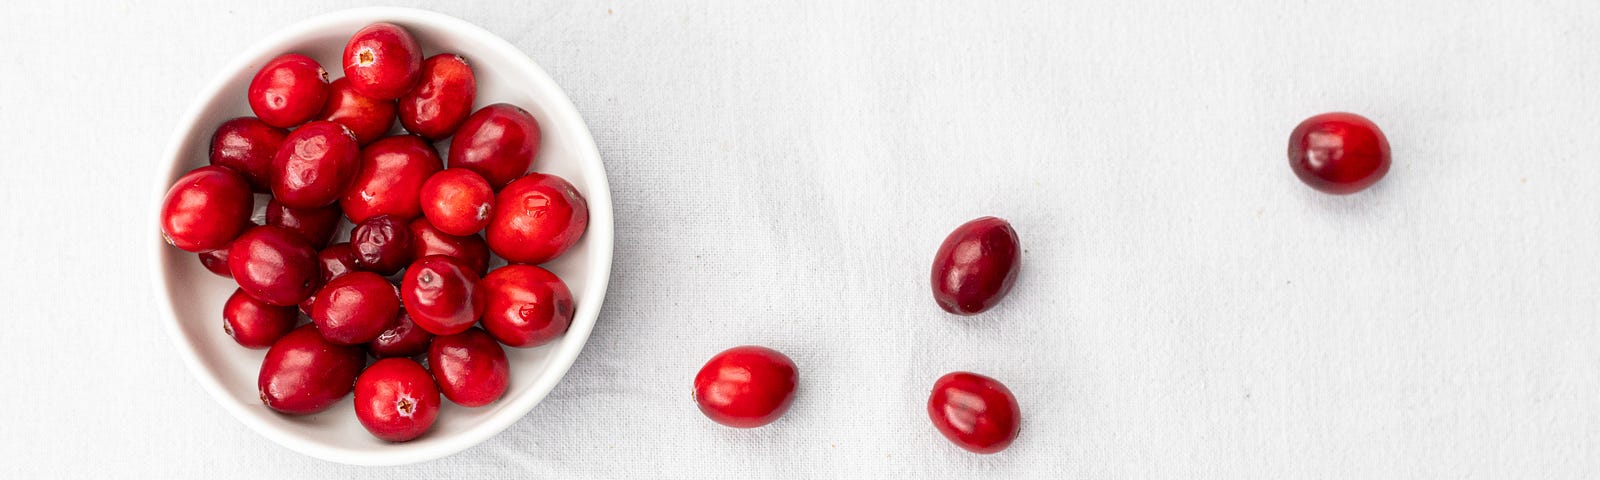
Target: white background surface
column 783, row 172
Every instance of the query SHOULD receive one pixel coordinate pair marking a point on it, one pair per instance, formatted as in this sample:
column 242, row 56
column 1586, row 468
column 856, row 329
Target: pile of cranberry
column 324, row 153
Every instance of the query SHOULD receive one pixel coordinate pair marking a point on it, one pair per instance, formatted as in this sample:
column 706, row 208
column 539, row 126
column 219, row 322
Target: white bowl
column 193, row 297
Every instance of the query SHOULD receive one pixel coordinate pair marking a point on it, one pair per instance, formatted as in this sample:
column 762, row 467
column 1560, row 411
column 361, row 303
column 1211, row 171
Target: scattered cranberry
column 442, row 99
column 976, row 266
column 403, row 338
column 975, row 412
column 1338, row 153
column 382, row 61
column 305, row 374
column 317, row 163
column 316, row 225
column 253, row 323
column 396, row 399
column 392, row 174
column 366, row 117
column 216, row 261
column 206, row 209
column 428, row 240
column 338, row 259
column 247, row 145
column 288, row 90
column 536, row 219
column 746, row 387
column 274, row 265
column 457, row 201
column 528, row 305
column 355, row 307
column 442, row 295
column 471, row 368
column 498, row 141
column 382, row 244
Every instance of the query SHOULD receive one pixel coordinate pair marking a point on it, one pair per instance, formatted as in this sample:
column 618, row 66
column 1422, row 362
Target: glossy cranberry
column 746, row 387
column 537, row 218
column 976, row 266
column 366, row 117
column 457, row 201
column 338, row 259
column 355, row 308
column 427, row 240
column 317, row 163
column 975, row 412
column 274, row 265
column 253, row 323
column 382, row 244
column 1338, row 153
column 442, row 294
column 382, row 61
column 288, row 90
column 392, row 173
column 470, row 367
column 206, row 208
column 403, row 338
column 304, row 374
column 396, row 399
column 498, row 141
column 316, row 225
column 442, row 98
column 216, row 261
column 528, row 306
column 247, row 145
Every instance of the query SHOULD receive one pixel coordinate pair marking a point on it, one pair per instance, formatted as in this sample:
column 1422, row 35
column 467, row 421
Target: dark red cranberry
column 366, row 117
column 206, row 208
column 498, row 142
column 528, row 306
column 471, row 368
column 396, row 400
column 305, row 374
column 382, row 244
column 427, row 240
column 457, row 201
column 382, row 61
column 403, row 338
column 338, row 259
column 976, row 266
column 274, row 265
column 317, row 163
column 536, row 219
column 442, row 294
column 247, row 145
column 355, row 307
column 288, row 90
column 253, row 323
column 746, row 387
column 442, row 98
column 1338, row 153
column 975, row 412
column 316, row 225
column 392, row 173
column 216, row 261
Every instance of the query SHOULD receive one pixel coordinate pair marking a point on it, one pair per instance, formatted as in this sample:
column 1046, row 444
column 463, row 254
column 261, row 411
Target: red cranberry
column 392, row 173
column 746, row 387
column 498, row 141
column 288, row 90
column 1338, row 153
column 975, row 412
column 247, row 145
column 536, row 219
column 396, row 399
column 317, row 163
column 382, row 244
column 976, row 266
column 338, row 259
column 355, row 307
column 216, row 261
column 457, row 201
column 471, row 368
column 427, row 240
column 305, row 374
column 442, row 98
column 274, row 265
column 382, row 61
column 316, row 225
column 528, row 305
column 442, row 295
column 366, row 117
column 206, row 208
column 403, row 338
column 253, row 323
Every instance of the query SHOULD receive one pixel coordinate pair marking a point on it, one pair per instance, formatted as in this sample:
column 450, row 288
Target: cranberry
column 338, row 259
column 274, row 265
column 403, row 338
column 442, row 294
column 247, row 145
column 536, row 219
column 746, row 387
column 396, row 399
column 206, row 208
column 528, row 305
column 428, row 240
column 382, row 61
column 355, row 308
column 253, row 323
column 316, row 225
column 216, row 261
column 317, row 163
column 457, row 201
column 471, row 368
column 976, row 266
column 392, row 173
column 366, row 117
column 288, row 90
column 975, row 412
column 305, row 374
column 498, row 141
column 382, row 244
column 442, row 98
column 1338, row 153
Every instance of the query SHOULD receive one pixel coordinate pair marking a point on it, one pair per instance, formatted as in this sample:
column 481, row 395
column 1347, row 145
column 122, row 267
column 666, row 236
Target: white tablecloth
column 783, row 172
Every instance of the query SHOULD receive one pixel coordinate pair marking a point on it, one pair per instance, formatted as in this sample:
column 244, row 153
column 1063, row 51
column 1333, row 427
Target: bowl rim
column 600, row 236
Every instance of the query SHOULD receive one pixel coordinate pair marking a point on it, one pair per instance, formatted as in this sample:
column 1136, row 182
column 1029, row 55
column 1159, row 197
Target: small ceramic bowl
column 191, row 298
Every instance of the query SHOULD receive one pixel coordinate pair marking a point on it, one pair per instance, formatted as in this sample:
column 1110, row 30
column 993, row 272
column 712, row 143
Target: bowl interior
column 195, row 296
